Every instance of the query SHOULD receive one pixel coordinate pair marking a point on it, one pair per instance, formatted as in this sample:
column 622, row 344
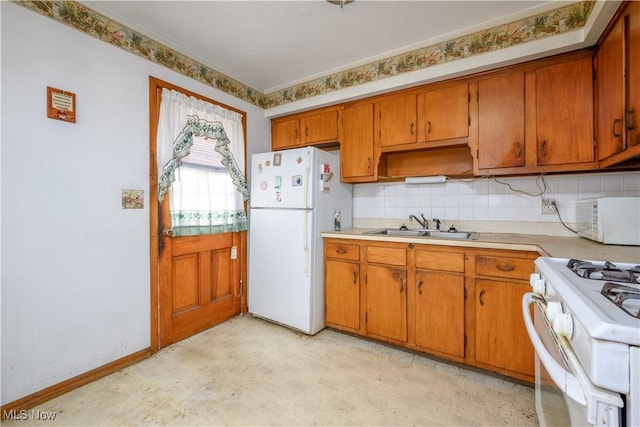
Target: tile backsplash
column 514, row 200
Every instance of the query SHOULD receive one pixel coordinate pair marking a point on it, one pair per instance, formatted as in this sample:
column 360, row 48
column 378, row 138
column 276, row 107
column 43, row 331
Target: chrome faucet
column 424, row 223
column 437, row 222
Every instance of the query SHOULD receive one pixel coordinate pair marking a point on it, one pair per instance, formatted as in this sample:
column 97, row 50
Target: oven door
column 564, row 394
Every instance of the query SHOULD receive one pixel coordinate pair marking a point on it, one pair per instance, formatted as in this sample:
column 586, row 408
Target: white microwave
column 610, row 220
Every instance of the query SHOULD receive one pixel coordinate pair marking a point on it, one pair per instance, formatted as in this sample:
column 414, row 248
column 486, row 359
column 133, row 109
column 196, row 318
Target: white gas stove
column 587, row 338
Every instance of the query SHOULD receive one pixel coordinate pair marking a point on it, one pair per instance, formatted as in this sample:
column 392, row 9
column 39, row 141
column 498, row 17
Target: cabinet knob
column 518, row 150
column 507, row 267
column 420, row 287
column 411, row 128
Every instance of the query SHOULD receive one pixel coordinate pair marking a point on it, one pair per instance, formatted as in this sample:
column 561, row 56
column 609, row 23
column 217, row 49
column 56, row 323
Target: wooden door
column 439, row 321
column 501, row 121
column 196, row 281
column 320, row 127
column 564, row 111
column 285, row 133
column 446, row 113
column 357, row 151
column 610, row 92
column 501, row 338
column 199, row 284
column 342, row 294
column 387, row 302
column 398, row 120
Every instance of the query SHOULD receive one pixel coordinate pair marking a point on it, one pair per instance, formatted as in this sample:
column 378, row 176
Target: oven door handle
column 602, row 405
column 565, row 380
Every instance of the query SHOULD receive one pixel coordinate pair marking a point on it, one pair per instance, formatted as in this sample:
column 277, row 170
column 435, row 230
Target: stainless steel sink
column 459, row 235
column 398, row 232
column 451, row 234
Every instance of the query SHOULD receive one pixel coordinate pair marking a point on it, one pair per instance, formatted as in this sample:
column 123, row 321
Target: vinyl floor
column 249, row 372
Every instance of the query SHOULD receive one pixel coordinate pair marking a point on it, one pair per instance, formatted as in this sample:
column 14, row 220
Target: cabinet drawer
column 512, row 268
column 389, row 256
column 444, row 261
column 342, row 251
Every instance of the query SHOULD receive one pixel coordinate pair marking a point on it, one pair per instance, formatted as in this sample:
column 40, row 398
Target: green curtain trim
column 194, row 223
column 182, row 145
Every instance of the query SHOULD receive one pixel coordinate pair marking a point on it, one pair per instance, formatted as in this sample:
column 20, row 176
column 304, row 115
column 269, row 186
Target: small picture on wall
column 132, row 199
column 277, row 159
column 61, row 105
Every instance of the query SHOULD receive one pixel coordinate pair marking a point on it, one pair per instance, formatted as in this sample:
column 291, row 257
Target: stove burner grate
column 604, row 271
column 625, row 297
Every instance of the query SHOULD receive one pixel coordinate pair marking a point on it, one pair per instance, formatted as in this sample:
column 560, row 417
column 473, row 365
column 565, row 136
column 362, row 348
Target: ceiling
column 270, row 45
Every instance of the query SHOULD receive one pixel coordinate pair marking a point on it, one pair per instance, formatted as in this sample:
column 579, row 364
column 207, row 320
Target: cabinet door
column 342, row 294
column 564, row 111
column 501, row 121
column 446, row 113
column 356, row 147
column 501, row 337
column 320, row 127
column 397, row 118
column 610, row 91
column 440, row 312
column 285, row 133
column 387, row 302
column 633, row 79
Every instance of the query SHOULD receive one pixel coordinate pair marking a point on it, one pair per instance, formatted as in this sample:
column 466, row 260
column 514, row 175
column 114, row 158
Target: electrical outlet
column 548, row 206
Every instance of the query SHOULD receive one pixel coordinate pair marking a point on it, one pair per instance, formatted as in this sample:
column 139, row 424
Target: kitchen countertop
column 553, row 246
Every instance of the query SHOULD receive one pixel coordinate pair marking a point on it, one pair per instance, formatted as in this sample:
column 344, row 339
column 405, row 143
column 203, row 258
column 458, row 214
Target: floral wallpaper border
column 76, row 15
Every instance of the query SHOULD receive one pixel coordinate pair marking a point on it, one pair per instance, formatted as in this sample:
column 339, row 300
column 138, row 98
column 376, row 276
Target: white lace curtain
column 203, row 200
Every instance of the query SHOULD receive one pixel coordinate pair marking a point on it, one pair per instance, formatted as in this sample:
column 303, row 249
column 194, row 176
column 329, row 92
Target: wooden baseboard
column 59, row 389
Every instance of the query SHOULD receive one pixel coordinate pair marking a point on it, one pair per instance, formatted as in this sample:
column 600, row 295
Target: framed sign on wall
column 61, row 105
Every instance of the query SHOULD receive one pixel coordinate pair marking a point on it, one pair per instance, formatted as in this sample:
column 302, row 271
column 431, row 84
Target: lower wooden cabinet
column 342, row 294
column 386, row 291
column 439, row 321
column 342, row 285
column 500, row 335
column 386, row 302
column 457, row 303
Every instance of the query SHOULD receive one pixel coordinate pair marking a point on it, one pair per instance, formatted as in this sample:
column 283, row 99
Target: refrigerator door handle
column 305, row 221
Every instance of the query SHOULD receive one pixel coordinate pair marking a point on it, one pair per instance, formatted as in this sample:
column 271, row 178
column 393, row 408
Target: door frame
column 155, row 224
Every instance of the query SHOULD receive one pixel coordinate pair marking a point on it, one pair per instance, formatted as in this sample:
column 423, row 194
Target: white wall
column 75, row 265
column 487, row 205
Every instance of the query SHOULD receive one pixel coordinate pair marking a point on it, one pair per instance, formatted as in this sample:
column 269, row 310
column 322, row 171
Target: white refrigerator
column 294, row 195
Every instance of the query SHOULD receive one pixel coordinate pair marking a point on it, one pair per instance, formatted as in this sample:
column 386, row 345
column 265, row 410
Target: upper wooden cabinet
column 536, row 119
column 564, row 112
column 443, row 113
column 320, row 126
column 285, row 133
column 397, row 120
column 438, row 117
column 357, row 158
column 618, row 89
column 313, row 128
column 501, row 121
